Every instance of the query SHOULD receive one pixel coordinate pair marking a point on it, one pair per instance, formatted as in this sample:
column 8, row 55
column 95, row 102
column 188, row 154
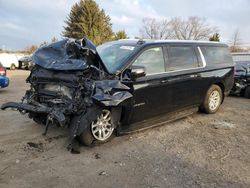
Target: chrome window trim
column 202, row 57
column 175, row 71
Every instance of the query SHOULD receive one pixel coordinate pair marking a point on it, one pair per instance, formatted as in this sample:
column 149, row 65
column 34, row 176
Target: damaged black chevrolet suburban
column 124, row 86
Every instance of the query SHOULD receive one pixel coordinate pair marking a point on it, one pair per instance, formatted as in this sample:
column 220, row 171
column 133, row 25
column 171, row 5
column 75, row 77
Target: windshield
column 113, row 55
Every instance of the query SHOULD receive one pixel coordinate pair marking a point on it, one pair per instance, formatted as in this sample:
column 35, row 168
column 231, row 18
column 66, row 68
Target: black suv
column 124, row 86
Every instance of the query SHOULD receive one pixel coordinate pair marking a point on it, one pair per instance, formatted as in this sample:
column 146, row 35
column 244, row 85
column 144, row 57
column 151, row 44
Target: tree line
column 87, row 19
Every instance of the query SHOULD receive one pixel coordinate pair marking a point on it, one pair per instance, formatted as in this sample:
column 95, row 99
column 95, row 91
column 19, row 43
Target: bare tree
column 153, row 29
column 235, row 42
column 194, row 28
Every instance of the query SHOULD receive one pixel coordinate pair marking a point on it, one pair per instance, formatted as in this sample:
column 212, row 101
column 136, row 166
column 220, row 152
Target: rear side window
column 216, row 55
column 152, row 59
column 181, row 58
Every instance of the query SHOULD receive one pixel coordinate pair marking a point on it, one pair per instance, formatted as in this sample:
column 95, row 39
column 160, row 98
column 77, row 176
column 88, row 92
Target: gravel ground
column 197, row 151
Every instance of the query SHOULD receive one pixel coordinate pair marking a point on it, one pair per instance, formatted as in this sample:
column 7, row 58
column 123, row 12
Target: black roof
column 140, row 42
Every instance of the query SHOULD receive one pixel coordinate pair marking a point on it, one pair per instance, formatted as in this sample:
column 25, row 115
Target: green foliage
column 86, row 19
column 215, row 37
column 121, row 35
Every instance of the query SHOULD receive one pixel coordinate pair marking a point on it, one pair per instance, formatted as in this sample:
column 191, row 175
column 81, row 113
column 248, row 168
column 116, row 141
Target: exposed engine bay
column 70, row 86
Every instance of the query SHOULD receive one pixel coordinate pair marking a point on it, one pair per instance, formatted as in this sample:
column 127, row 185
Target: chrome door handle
column 193, row 75
column 164, row 81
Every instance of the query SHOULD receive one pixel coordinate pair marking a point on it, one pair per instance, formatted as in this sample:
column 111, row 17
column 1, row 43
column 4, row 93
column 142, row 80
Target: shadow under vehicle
column 124, row 86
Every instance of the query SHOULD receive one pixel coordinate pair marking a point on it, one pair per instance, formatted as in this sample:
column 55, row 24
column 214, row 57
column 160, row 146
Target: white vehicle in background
column 9, row 60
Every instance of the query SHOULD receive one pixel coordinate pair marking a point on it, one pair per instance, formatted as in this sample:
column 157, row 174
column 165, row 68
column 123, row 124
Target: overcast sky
column 27, row 22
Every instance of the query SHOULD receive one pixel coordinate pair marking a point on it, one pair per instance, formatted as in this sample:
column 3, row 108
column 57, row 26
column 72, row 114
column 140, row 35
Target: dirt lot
column 198, row 151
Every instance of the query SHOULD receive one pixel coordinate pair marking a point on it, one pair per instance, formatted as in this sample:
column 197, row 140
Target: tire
column 247, row 92
column 212, row 100
column 12, row 67
column 99, row 131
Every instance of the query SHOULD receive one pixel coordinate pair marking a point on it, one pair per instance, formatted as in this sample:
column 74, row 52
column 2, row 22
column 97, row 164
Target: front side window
column 152, row 59
column 181, row 58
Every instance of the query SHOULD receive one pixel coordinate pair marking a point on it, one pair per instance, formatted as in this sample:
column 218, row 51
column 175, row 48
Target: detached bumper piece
column 51, row 113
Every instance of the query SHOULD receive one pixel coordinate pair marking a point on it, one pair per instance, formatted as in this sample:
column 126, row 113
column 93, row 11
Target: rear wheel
column 99, row 131
column 247, row 92
column 212, row 100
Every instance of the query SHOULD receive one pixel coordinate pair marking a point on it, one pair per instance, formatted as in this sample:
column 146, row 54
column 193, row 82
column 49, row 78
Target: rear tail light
column 2, row 71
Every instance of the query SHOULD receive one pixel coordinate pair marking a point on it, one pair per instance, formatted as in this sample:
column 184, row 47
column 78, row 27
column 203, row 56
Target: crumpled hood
column 68, row 54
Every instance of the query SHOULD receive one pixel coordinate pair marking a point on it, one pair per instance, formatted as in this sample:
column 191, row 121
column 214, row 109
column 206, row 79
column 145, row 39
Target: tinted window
column 181, row 57
column 216, row 55
column 152, row 59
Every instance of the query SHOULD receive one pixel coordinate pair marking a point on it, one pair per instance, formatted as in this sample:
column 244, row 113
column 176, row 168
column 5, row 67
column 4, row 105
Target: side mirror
column 137, row 72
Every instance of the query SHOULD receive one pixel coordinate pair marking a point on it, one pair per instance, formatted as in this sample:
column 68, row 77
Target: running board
column 157, row 121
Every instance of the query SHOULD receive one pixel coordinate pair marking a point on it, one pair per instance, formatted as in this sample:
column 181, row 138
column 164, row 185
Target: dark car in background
column 124, row 86
column 25, row 63
column 4, row 81
column 242, row 75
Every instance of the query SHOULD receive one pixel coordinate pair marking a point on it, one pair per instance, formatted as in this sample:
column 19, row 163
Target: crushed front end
column 69, row 86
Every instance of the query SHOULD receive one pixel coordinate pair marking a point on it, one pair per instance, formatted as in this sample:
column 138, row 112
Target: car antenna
column 141, row 41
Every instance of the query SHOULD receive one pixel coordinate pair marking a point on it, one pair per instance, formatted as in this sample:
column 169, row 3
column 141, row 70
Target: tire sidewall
column 206, row 101
column 12, row 67
column 87, row 138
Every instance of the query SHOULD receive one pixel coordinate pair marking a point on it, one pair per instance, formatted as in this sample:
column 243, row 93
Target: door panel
column 151, row 98
column 149, row 90
column 179, row 87
column 183, row 67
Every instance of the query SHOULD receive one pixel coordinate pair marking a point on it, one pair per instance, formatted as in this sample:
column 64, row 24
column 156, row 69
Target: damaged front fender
column 111, row 92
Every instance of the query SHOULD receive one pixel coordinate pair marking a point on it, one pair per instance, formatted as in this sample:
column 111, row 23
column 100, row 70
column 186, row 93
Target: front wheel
column 100, row 131
column 212, row 100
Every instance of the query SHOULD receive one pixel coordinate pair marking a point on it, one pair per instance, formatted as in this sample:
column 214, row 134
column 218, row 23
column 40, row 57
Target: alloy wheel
column 214, row 100
column 102, row 128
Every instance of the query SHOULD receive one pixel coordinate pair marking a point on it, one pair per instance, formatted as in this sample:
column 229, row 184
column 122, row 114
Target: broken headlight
column 60, row 90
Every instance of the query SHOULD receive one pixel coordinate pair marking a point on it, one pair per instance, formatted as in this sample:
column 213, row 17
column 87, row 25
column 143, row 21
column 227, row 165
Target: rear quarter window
column 216, row 55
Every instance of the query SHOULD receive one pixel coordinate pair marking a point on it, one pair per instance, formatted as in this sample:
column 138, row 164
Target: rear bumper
column 4, row 82
column 54, row 113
